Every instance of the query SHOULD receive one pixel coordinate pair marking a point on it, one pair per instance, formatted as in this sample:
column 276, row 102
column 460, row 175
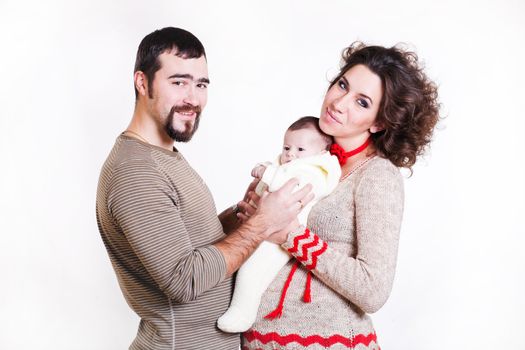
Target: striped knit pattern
column 350, row 250
column 290, row 341
column 158, row 222
column 307, row 248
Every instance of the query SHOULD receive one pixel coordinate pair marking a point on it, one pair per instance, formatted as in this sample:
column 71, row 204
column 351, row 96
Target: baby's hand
column 258, row 171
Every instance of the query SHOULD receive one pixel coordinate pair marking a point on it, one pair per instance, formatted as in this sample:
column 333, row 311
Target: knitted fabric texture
column 323, row 172
column 158, row 221
column 351, row 249
column 307, row 248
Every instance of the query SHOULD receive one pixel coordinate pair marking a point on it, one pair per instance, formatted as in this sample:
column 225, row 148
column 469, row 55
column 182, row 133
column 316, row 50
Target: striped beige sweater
column 158, row 220
column 350, row 251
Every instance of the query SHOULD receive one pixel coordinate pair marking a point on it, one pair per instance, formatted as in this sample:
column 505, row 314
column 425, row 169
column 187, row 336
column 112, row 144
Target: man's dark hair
column 312, row 123
column 185, row 45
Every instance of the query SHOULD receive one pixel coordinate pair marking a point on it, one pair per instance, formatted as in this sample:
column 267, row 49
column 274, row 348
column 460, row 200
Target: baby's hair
column 313, row 123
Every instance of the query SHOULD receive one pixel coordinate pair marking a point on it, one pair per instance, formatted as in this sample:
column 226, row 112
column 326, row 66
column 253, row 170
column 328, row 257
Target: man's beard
column 187, row 133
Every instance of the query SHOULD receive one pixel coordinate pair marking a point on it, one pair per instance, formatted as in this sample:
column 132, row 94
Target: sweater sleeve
column 366, row 279
column 145, row 207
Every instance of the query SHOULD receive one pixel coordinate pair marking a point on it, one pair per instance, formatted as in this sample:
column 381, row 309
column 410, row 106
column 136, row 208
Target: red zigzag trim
column 296, row 240
column 307, row 246
column 315, row 255
column 312, row 339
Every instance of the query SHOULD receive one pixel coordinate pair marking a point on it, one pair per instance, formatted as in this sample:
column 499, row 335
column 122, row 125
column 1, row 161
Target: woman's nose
column 340, row 103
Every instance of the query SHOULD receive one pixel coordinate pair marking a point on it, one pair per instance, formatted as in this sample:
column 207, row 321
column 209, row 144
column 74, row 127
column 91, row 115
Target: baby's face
column 301, row 143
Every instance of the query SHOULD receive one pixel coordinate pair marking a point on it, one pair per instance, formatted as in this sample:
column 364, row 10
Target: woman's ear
column 376, row 128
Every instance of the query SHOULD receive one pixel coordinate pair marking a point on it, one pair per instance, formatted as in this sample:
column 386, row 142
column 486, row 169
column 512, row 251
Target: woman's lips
column 332, row 117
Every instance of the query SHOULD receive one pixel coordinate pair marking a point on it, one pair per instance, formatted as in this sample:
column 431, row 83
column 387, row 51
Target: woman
column 381, row 110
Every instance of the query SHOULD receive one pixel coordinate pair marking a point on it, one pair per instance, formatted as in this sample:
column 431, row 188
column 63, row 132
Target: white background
column 66, row 92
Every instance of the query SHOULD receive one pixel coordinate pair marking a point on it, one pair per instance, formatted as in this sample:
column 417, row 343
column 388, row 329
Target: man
column 172, row 254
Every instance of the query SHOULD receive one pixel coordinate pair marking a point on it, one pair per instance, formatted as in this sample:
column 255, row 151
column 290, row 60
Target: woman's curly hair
column 409, row 108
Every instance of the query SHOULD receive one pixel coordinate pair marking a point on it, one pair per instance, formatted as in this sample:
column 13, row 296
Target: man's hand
column 278, row 209
column 250, row 189
column 271, row 213
column 248, row 206
column 280, row 237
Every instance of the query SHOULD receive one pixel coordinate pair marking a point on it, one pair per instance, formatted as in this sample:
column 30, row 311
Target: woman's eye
column 362, row 103
column 342, row 84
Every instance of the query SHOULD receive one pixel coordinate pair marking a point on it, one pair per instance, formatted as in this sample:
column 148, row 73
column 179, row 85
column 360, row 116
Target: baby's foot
column 236, row 320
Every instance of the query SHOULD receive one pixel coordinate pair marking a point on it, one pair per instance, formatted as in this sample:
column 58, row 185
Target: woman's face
column 350, row 106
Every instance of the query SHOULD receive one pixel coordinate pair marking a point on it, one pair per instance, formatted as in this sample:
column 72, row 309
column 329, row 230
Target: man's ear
column 141, row 82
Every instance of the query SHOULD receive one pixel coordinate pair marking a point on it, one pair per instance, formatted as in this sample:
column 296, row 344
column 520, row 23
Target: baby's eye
column 301, row 149
column 286, row 148
column 362, row 102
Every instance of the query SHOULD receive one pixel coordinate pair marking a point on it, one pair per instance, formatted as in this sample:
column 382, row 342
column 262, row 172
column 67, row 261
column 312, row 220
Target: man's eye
column 178, row 83
column 363, row 103
column 202, row 86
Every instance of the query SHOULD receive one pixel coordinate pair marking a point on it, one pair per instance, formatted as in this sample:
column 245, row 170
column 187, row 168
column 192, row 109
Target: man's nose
column 190, row 97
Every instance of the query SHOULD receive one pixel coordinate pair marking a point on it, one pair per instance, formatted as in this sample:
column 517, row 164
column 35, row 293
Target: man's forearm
column 241, row 243
column 273, row 212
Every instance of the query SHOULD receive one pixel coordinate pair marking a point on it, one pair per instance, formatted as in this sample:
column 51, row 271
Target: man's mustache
column 186, row 108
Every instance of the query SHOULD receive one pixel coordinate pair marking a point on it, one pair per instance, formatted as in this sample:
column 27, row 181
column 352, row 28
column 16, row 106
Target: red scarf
column 342, row 155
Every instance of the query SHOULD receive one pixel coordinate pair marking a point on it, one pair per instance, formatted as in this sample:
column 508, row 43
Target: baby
column 304, row 156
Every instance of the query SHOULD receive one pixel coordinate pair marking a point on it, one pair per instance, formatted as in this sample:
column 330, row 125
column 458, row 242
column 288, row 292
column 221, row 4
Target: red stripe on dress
column 359, row 339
